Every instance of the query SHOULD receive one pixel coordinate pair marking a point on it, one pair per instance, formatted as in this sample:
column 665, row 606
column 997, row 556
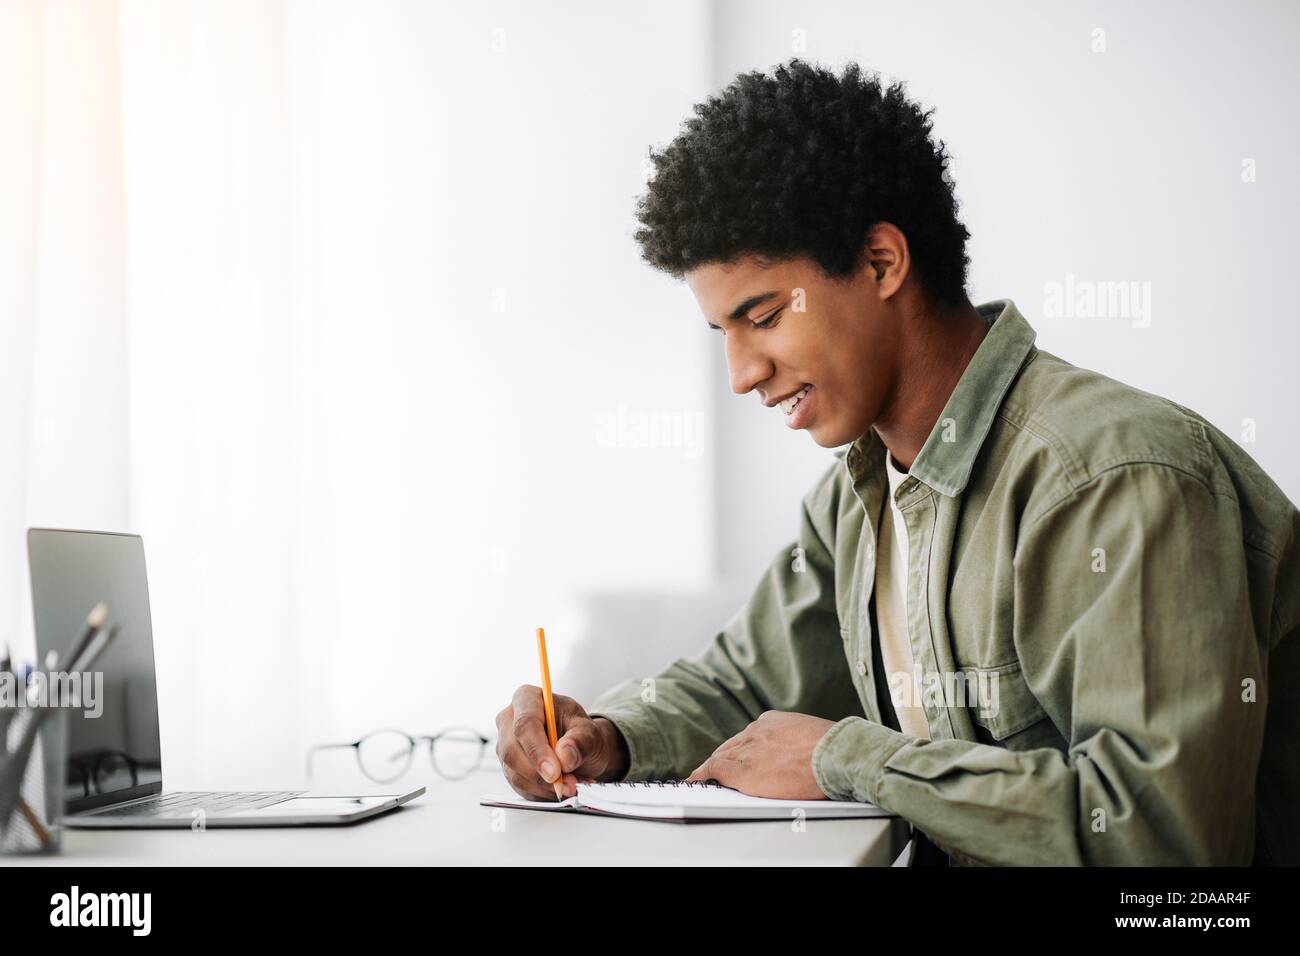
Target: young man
column 1046, row 617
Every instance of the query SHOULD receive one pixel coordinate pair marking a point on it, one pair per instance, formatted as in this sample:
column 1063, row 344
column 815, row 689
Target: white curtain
column 63, row 419
column 329, row 301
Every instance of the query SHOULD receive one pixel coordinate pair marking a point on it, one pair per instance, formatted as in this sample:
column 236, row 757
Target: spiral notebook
column 682, row 801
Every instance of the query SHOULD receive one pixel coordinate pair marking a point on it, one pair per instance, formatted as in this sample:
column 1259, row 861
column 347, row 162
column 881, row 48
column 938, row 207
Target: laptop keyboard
column 184, row 802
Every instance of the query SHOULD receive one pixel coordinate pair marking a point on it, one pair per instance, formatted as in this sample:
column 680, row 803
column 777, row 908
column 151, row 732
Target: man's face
column 841, row 347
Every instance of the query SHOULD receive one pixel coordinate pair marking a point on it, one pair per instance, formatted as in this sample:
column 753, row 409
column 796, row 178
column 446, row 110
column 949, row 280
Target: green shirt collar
column 948, row 455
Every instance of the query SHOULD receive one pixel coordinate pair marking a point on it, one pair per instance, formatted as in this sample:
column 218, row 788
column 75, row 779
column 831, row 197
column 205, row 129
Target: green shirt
column 1103, row 605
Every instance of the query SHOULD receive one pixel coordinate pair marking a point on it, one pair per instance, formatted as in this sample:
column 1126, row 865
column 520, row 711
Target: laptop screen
column 113, row 748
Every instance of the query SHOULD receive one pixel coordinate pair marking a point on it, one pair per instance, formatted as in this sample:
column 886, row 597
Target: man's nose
column 745, row 367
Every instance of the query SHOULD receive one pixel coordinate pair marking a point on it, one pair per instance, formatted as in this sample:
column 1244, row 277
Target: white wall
column 1122, row 165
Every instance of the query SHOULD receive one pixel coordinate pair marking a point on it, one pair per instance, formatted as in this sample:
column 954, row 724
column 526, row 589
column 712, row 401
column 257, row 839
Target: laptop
column 114, row 771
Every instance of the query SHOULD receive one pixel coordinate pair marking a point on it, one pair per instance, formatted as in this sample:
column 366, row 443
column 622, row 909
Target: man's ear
column 887, row 255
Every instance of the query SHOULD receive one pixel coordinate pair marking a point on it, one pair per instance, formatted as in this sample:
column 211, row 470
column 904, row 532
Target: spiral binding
column 711, row 782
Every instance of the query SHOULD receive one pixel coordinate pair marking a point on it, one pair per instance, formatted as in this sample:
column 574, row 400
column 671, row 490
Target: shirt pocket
column 1007, row 706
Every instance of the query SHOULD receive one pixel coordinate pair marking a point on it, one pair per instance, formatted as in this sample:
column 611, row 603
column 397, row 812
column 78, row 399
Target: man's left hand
column 772, row 757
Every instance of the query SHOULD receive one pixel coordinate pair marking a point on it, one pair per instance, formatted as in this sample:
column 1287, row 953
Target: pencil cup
column 33, row 765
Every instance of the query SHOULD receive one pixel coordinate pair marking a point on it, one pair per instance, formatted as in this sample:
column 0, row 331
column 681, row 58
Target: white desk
column 447, row 826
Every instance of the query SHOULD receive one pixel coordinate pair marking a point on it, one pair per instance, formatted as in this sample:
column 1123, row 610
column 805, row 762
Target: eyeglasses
column 385, row 755
column 102, row 770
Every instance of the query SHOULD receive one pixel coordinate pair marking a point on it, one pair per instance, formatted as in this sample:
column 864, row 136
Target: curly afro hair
column 804, row 162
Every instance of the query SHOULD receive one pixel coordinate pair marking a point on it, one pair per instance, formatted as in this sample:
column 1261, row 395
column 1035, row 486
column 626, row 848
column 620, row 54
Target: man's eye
column 767, row 323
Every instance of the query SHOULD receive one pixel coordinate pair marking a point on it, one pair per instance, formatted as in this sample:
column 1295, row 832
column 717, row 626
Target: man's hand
column 587, row 749
column 772, row 757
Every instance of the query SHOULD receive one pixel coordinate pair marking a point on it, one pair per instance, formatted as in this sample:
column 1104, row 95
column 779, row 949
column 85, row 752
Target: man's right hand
column 587, row 749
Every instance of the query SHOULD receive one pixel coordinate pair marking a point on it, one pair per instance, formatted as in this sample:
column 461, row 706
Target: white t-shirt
column 891, row 611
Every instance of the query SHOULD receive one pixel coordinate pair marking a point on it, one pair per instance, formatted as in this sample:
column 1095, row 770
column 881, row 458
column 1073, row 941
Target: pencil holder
column 33, row 765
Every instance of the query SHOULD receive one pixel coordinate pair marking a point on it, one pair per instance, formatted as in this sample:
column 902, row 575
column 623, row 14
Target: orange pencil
column 548, row 702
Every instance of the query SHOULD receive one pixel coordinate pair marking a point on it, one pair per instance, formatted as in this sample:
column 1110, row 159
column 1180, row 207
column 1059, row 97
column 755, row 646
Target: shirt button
column 862, row 668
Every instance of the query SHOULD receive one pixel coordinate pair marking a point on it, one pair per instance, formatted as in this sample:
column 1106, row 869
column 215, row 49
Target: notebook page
column 677, row 794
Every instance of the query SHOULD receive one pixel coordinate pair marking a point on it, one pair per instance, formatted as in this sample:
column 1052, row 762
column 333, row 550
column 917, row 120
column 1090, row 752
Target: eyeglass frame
column 413, row 741
column 94, row 761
